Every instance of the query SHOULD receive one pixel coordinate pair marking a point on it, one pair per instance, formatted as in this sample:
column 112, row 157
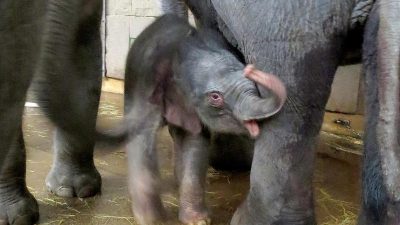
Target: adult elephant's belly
column 301, row 42
column 261, row 28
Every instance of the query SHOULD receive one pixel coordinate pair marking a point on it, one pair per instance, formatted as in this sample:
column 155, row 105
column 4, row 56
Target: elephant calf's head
column 221, row 88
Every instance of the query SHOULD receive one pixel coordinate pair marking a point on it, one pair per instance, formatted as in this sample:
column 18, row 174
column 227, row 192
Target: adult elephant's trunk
column 250, row 107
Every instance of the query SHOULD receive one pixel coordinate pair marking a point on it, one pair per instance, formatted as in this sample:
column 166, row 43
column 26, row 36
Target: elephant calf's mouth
column 252, row 127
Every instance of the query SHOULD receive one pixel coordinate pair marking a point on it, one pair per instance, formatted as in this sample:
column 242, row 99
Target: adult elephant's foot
column 73, row 173
column 365, row 219
column 19, row 210
column 246, row 215
column 388, row 214
column 393, row 214
column 67, row 180
column 241, row 215
column 191, row 216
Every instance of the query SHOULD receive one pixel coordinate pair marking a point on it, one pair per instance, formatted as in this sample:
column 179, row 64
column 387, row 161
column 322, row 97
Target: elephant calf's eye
column 216, row 99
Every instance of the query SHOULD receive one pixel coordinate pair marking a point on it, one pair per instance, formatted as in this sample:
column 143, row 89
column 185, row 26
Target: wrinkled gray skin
column 190, row 81
column 286, row 38
column 57, row 44
column 381, row 52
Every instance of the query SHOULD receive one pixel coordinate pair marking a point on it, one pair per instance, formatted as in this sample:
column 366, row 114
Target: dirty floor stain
column 336, row 182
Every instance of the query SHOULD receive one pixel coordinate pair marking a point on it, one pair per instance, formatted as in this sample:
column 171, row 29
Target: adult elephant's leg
column 17, row 205
column 71, row 68
column 191, row 163
column 388, row 123
column 174, row 6
column 290, row 47
column 374, row 194
column 282, row 169
column 18, row 47
column 281, row 173
column 73, row 172
column 381, row 190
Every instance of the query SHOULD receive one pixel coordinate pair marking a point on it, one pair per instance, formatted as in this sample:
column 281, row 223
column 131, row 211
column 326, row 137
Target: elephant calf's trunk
column 253, row 107
column 268, row 81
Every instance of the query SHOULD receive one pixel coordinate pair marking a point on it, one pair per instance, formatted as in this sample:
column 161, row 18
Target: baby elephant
column 190, row 81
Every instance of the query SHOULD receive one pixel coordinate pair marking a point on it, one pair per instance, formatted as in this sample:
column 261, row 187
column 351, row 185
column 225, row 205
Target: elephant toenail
column 64, row 191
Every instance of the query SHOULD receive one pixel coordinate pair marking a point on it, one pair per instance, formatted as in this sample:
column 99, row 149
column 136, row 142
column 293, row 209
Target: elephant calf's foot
column 190, row 216
column 69, row 181
column 148, row 209
column 21, row 211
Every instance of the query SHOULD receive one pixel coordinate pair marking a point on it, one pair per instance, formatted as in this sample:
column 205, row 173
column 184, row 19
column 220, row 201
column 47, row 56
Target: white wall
column 347, row 94
column 125, row 19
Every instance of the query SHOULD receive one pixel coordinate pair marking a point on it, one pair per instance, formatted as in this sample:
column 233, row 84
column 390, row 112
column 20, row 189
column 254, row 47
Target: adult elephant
column 57, row 44
column 303, row 43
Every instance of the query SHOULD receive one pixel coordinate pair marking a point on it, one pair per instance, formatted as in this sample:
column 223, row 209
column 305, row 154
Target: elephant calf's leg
column 191, row 163
column 143, row 177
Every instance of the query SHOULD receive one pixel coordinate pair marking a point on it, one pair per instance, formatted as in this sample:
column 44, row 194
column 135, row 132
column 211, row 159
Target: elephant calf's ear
column 176, row 112
column 175, row 109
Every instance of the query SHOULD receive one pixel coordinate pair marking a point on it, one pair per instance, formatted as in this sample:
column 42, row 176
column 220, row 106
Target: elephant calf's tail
column 118, row 135
column 112, row 138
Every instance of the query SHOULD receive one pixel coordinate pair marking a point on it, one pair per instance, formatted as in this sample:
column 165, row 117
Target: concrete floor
column 336, row 181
